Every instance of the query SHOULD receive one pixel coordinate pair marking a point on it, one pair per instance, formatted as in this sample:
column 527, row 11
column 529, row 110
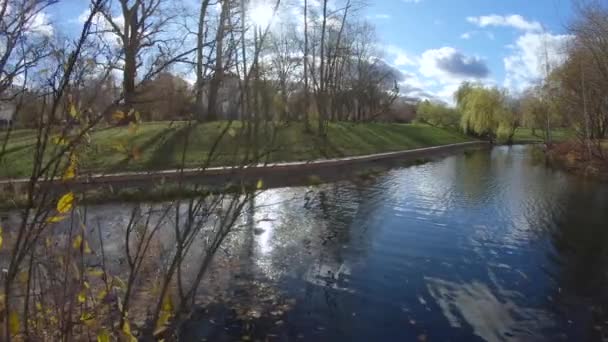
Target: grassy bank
column 526, row 135
column 159, row 145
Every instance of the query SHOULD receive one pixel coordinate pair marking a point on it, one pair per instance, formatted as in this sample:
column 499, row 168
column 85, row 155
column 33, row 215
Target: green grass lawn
column 558, row 135
column 160, row 146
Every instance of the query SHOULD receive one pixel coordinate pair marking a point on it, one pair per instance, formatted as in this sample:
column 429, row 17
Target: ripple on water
column 482, row 246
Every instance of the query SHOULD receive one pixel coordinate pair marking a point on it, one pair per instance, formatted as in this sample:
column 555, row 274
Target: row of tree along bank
column 571, row 96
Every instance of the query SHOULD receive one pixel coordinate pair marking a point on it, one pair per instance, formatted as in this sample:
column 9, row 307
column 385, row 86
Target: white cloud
column 414, row 80
column 467, row 35
column 525, row 66
column 38, row 24
column 436, row 73
column 412, row 1
column 400, row 56
column 41, row 24
column 470, row 34
column 448, row 68
column 102, row 25
column 382, row 16
column 449, row 64
column 514, row 20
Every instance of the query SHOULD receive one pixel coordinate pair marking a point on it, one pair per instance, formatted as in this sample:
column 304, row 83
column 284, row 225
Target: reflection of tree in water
column 472, row 172
column 249, row 303
column 339, row 212
column 580, row 239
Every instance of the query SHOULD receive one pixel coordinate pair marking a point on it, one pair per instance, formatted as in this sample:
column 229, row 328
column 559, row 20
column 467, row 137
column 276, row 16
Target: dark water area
column 484, row 245
column 490, row 245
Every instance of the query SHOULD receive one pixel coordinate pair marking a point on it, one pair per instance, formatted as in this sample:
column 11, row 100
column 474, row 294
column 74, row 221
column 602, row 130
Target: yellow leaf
column 102, row 295
column 70, row 172
column 166, row 312
column 55, row 219
column 96, row 272
column 82, row 297
column 167, row 303
column 137, row 116
column 119, row 147
column 14, row 323
column 73, row 111
column 260, row 184
column 38, row 306
column 1, row 237
column 87, row 249
column 77, row 243
column 126, row 329
column 103, row 336
column 65, row 203
column 163, row 319
column 87, row 318
column 120, row 283
column 118, row 115
column 57, row 140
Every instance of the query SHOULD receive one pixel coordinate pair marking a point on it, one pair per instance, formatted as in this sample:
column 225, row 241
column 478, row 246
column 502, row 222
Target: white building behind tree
column 7, row 114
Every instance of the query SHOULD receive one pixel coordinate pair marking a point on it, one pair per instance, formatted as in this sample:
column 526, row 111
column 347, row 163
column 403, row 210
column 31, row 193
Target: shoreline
column 165, row 185
column 253, row 170
column 570, row 161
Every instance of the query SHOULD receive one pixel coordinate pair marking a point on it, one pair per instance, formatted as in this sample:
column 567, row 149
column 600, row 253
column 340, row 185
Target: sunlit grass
column 160, row 145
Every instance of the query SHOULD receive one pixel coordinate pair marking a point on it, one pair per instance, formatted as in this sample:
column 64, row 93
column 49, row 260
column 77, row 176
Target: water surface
column 487, row 245
column 490, row 245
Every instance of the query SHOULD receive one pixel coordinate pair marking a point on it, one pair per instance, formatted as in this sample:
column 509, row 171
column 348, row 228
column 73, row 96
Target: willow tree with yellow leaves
column 485, row 112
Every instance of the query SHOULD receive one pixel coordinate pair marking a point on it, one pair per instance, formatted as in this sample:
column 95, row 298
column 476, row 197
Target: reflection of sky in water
column 482, row 246
column 466, row 238
column 492, row 318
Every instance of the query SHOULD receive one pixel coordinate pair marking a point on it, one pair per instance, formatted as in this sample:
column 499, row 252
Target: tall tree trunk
column 131, row 50
column 321, row 95
column 332, row 76
column 129, row 74
column 306, row 90
column 218, row 74
column 200, row 60
column 245, row 91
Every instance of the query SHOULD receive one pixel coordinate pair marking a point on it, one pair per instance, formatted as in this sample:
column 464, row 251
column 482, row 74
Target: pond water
column 485, row 245
column 489, row 245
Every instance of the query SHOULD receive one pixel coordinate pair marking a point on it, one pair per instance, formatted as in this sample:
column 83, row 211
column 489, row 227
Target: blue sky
column 440, row 43
column 437, row 44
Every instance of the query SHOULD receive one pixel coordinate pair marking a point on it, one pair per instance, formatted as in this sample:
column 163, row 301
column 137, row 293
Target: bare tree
column 201, row 37
column 218, row 70
column 139, row 28
column 284, row 65
column 321, row 96
column 306, row 86
column 23, row 42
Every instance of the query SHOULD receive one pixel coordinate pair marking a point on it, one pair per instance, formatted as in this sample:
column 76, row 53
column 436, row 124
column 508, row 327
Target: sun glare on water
column 261, row 14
